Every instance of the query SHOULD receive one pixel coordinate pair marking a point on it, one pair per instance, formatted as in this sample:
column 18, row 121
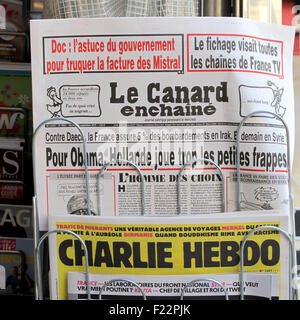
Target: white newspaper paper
column 256, row 286
column 161, row 93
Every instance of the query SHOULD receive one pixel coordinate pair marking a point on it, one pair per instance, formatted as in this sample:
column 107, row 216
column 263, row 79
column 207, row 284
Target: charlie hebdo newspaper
column 161, row 93
column 160, row 253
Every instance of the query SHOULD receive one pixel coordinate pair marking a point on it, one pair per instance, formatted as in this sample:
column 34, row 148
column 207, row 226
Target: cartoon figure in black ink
column 77, row 205
column 55, row 108
column 266, row 195
column 280, row 110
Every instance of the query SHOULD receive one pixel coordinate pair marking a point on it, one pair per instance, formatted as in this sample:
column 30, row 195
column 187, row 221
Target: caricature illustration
column 280, row 110
column 257, row 98
column 247, row 205
column 77, row 205
column 265, row 195
column 55, row 108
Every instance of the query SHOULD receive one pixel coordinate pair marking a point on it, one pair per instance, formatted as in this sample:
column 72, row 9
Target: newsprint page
column 162, row 255
column 161, row 94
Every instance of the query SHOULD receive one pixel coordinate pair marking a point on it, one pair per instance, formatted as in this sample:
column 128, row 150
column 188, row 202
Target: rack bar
column 142, row 182
column 204, row 279
column 38, row 267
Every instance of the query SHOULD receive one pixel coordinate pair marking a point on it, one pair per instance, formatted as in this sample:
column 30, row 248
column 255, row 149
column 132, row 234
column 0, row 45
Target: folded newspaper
column 163, row 250
column 161, row 93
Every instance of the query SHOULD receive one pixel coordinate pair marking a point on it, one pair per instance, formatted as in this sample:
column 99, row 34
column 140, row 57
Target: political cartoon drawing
column 258, row 98
column 55, row 107
column 276, row 103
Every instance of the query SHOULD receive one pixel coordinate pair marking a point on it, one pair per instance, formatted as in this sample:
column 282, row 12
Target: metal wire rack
column 38, row 240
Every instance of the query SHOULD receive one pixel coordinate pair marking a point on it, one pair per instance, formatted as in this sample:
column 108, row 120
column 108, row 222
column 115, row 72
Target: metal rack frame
column 179, row 183
column 140, row 174
column 204, row 279
column 123, row 280
column 38, row 241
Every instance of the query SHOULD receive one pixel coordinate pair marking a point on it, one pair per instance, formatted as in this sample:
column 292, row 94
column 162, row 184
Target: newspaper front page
column 161, row 93
column 161, row 247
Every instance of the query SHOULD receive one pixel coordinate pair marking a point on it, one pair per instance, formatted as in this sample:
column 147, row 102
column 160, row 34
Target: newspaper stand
column 291, row 237
column 38, row 241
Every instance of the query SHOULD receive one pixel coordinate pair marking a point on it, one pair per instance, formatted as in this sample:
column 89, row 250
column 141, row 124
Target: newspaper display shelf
column 288, row 234
column 168, row 8
column 92, row 8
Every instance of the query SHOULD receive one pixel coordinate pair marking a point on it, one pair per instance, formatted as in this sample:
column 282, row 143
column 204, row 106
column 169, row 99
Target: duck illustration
column 277, row 93
column 55, row 108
